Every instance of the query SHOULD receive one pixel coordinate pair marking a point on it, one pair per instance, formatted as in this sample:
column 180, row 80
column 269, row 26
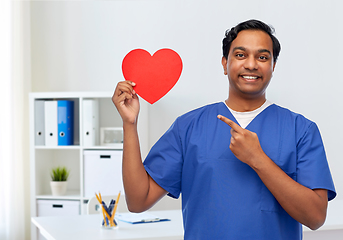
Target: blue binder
column 65, row 122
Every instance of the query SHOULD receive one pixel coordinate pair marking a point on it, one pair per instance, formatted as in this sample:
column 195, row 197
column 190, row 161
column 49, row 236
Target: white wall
column 79, row 46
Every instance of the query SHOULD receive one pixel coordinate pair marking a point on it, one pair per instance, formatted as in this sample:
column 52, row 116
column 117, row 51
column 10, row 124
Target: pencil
column 102, row 207
column 115, row 207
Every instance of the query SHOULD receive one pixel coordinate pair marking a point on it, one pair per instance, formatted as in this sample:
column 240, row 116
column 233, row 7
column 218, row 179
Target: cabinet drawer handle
column 105, row 156
column 57, row 205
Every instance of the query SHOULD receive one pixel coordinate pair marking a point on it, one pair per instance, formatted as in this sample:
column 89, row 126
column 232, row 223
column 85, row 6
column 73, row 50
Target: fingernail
column 133, row 84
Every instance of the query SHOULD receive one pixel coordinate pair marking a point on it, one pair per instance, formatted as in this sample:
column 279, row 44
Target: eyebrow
column 244, row 49
column 239, row 48
column 264, row 50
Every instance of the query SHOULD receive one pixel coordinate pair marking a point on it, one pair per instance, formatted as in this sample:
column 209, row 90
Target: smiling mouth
column 249, row 77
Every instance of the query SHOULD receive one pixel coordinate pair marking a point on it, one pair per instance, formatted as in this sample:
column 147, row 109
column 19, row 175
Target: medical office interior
column 70, row 47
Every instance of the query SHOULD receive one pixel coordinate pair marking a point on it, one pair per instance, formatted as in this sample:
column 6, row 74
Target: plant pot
column 58, row 188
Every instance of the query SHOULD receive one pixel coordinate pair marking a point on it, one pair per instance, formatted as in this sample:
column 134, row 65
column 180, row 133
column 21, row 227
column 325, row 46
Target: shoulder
column 201, row 111
column 296, row 121
column 199, row 114
column 197, row 118
column 290, row 115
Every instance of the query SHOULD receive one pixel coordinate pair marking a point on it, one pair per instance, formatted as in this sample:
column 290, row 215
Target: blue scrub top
column 223, row 198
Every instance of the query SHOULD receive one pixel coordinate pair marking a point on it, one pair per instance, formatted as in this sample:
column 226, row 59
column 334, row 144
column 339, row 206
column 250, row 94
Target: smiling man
column 249, row 65
column 246, row 168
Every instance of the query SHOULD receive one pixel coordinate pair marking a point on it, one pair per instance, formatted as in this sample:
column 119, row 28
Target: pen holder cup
column 106, row 223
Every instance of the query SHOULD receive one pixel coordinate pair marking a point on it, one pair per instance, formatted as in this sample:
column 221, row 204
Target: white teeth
column 249, row 77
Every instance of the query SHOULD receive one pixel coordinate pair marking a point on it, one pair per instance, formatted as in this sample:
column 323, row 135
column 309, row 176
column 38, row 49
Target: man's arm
column 141, row 191
column 305, row 205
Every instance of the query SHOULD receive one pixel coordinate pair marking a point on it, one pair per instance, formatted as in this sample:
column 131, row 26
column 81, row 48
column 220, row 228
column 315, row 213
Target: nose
column 251, row 63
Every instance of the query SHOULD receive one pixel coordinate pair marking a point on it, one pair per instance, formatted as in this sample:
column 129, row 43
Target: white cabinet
column 43, row 157
column 102, row 172
column 58, row 208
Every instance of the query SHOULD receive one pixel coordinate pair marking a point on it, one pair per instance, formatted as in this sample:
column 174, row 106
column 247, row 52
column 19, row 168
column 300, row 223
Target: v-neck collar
column 232, row 117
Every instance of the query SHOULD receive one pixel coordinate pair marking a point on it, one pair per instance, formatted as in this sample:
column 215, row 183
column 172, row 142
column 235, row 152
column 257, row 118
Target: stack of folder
column 54, row 122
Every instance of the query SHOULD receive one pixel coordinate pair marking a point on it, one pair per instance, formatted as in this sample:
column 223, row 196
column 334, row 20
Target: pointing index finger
column 231, row 123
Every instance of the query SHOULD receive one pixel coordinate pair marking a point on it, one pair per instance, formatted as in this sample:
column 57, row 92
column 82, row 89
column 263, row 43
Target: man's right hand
column 141, row 191
column 126, row 101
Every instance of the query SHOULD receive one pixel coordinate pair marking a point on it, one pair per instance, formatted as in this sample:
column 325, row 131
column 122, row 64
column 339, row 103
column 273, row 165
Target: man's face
column 250, row 64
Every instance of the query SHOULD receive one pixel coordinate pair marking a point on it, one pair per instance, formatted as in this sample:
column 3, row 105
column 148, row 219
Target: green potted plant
column 59, row 177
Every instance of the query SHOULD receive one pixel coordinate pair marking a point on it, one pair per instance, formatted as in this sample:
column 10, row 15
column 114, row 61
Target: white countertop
column 88, row 227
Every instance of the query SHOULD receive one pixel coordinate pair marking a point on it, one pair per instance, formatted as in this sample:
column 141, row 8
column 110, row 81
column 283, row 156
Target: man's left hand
column 244, row 144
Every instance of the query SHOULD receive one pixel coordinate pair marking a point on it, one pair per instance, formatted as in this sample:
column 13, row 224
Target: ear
column 224, row 63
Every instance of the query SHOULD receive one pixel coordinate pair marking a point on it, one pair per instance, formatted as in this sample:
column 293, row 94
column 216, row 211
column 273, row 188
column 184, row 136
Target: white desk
column 88, row 227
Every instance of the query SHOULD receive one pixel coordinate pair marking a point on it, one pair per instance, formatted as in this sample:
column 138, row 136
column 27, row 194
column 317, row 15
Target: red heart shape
column 154, row 75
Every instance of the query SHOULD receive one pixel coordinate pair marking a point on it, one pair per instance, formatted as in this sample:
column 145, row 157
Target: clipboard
column 136, row 218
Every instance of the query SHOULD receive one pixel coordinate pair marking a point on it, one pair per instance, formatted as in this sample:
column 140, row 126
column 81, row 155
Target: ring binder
column 65, row 114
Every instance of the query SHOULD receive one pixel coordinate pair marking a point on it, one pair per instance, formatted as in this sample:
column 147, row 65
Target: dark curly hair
column 252, row 24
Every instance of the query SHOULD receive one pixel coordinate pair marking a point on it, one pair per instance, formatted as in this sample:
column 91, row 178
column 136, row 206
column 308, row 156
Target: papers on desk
column 135, row 218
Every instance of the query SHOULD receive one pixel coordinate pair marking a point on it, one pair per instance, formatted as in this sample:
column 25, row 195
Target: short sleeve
column 164, row 161
column 312, row 168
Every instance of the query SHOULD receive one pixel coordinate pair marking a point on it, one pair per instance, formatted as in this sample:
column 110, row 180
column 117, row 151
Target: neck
column 245, row 104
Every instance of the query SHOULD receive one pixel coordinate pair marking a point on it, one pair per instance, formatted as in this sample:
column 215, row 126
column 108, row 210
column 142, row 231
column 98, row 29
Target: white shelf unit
column 43, row 158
